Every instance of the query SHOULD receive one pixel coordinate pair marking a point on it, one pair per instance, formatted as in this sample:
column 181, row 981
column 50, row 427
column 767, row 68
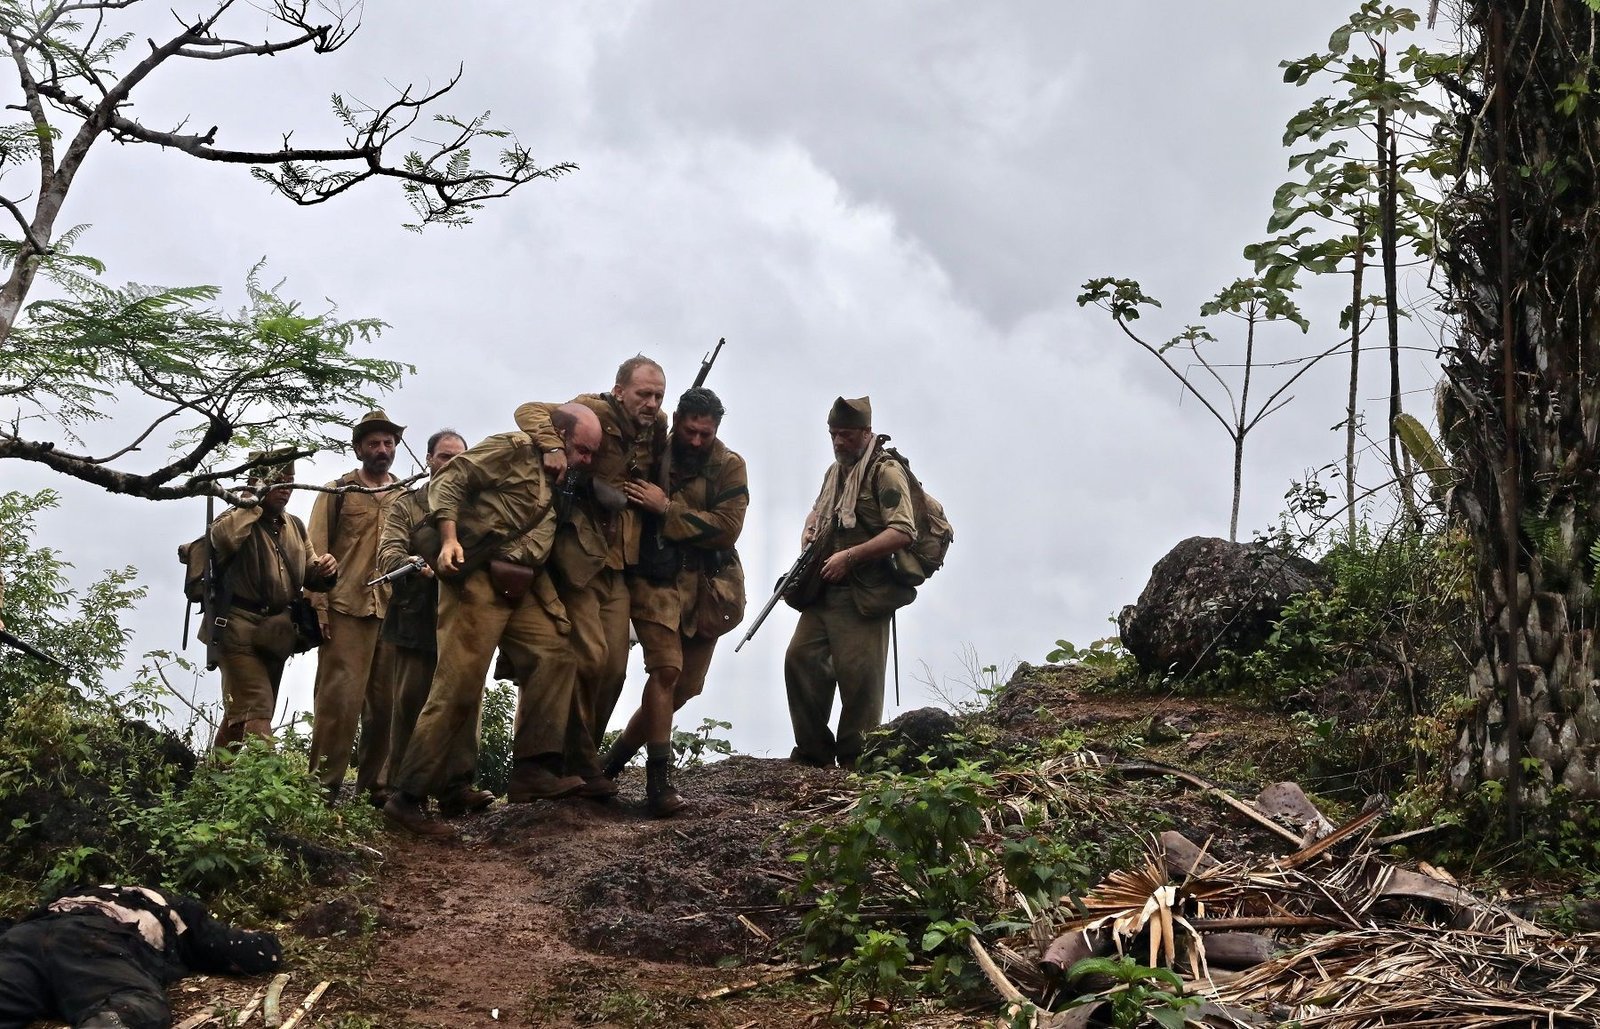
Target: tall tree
column 1522, row 411
column 266, row 378
column 1369, row 170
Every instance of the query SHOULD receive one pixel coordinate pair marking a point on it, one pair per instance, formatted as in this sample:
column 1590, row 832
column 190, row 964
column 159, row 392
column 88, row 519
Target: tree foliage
column 267, row 378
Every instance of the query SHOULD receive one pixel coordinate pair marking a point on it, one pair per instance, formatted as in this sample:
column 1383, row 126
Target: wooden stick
column 1003, row 985
column 773, row 977
column 305, row 1005
column 269, row 1007
column 198, row 1018
column 1213, row 790
column 249, row 1009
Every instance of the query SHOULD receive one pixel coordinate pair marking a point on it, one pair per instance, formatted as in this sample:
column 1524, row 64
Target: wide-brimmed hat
column 267, row 470
column 851, row 414
column 375, row 421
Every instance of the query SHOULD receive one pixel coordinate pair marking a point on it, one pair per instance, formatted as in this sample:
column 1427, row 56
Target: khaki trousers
column 667, row 647
column 413, row 677
column 835, row 649
column 473, row 621
column 353, row 689
column 599, row 615
column 250, row 676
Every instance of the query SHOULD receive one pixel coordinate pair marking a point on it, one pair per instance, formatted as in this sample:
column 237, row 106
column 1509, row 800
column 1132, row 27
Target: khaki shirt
column 883, row 503
column 499, row 490
column 414, row 599
column 625, row 453
column 259, row 573
column 354, row 543
column 706, row 506
column 394, row 542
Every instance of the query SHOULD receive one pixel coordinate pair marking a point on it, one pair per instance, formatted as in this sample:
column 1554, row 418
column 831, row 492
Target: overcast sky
column 894, row 199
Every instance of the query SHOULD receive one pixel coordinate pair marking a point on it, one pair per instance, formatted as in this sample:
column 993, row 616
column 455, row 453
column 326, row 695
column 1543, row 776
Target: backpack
column 916, row 564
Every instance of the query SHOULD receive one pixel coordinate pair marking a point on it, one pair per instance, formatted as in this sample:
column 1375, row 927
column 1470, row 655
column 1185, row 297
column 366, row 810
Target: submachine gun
column 416, row 564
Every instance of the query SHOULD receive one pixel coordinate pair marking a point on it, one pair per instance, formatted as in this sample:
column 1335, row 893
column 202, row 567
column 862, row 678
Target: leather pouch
column 510, row 581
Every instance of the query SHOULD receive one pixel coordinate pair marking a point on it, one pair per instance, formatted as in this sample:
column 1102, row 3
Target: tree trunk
column 1522, row 414
column 1350, row 411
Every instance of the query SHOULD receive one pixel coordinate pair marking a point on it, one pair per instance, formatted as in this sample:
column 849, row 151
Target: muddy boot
column 532, row 779
column 660, row 798
column 407, row 812
column 598, row 787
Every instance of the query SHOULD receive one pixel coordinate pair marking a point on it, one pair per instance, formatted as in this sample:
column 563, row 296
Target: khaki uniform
column 500, row 497
column 409, row 627
column 259, row 635
column 353, row 678
column 592, row 549
column 841, row 642
column 705, row 513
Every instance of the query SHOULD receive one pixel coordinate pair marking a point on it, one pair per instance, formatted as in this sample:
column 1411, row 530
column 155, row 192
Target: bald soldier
column 841, row 643
column 699, row 517
column 598, row 538
column 409, row 628
column 493, row 508
column 265, row 558
column 351, row 688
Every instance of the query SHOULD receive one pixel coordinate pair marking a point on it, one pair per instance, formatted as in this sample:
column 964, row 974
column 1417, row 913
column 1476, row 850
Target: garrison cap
column 375, row 421
column 850, row 414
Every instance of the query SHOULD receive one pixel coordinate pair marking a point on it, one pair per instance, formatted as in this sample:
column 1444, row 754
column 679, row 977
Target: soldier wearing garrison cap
column 354, row 685
column 841, row 643
column 267, row 558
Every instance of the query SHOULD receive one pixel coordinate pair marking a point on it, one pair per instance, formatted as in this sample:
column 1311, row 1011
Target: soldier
column 493, row 507
column 698, row 519
column 841, row 642
column 264, row 557
column 409, row 628
column 101, row 957
column 596, row 542
column 350, row 687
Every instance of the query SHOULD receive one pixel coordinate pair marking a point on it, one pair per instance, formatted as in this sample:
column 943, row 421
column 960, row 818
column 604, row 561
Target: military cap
column 282, row 471
column 375, row 421
column 850, row 414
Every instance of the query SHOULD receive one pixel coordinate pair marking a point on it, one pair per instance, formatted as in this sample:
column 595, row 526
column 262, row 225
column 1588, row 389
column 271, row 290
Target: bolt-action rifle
column 706, row 363
column 799, row 570
column 23, row 646
column 415, row 564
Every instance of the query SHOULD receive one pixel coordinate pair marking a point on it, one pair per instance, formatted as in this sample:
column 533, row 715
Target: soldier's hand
column 647, row 495
column 837, row 567
column 325, row 565
column 326, row 627
column 422, row 566
column 451, row 556
column 555, row 462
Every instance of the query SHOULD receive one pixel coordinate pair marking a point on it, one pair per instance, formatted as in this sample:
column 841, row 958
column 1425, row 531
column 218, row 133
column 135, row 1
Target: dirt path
column 580, row 913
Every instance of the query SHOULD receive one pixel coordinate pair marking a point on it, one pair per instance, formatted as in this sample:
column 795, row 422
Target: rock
column 1206, row 595
column 899, row 743
column 1168, row 728
column 341, row 916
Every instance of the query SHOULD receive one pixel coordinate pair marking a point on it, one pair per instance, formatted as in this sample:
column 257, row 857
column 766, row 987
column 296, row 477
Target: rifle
column 415, row 564
column 801, row 565
column 218, row 597
column 706, row 363
column 32, row 651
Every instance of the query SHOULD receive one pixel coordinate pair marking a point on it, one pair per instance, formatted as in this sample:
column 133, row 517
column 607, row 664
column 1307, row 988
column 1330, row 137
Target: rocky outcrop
column 1208, row 595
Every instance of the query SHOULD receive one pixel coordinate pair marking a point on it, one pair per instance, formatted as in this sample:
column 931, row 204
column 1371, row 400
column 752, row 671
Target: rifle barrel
column 22, row 645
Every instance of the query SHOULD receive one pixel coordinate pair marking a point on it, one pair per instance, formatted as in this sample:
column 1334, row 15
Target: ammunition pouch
column 510, row 581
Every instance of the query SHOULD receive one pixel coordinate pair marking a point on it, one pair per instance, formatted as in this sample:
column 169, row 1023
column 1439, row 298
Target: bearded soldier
column 352, row 687
column 598, row 538
column 687, row 588
column 840, row 645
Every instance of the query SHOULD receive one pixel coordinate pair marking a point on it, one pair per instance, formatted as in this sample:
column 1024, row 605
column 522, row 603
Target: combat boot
column 660, row 797
column 407, row 812
column 531, row 780
column 617, row 760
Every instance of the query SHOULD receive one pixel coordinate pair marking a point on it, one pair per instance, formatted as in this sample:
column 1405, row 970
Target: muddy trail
column 584, row 913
